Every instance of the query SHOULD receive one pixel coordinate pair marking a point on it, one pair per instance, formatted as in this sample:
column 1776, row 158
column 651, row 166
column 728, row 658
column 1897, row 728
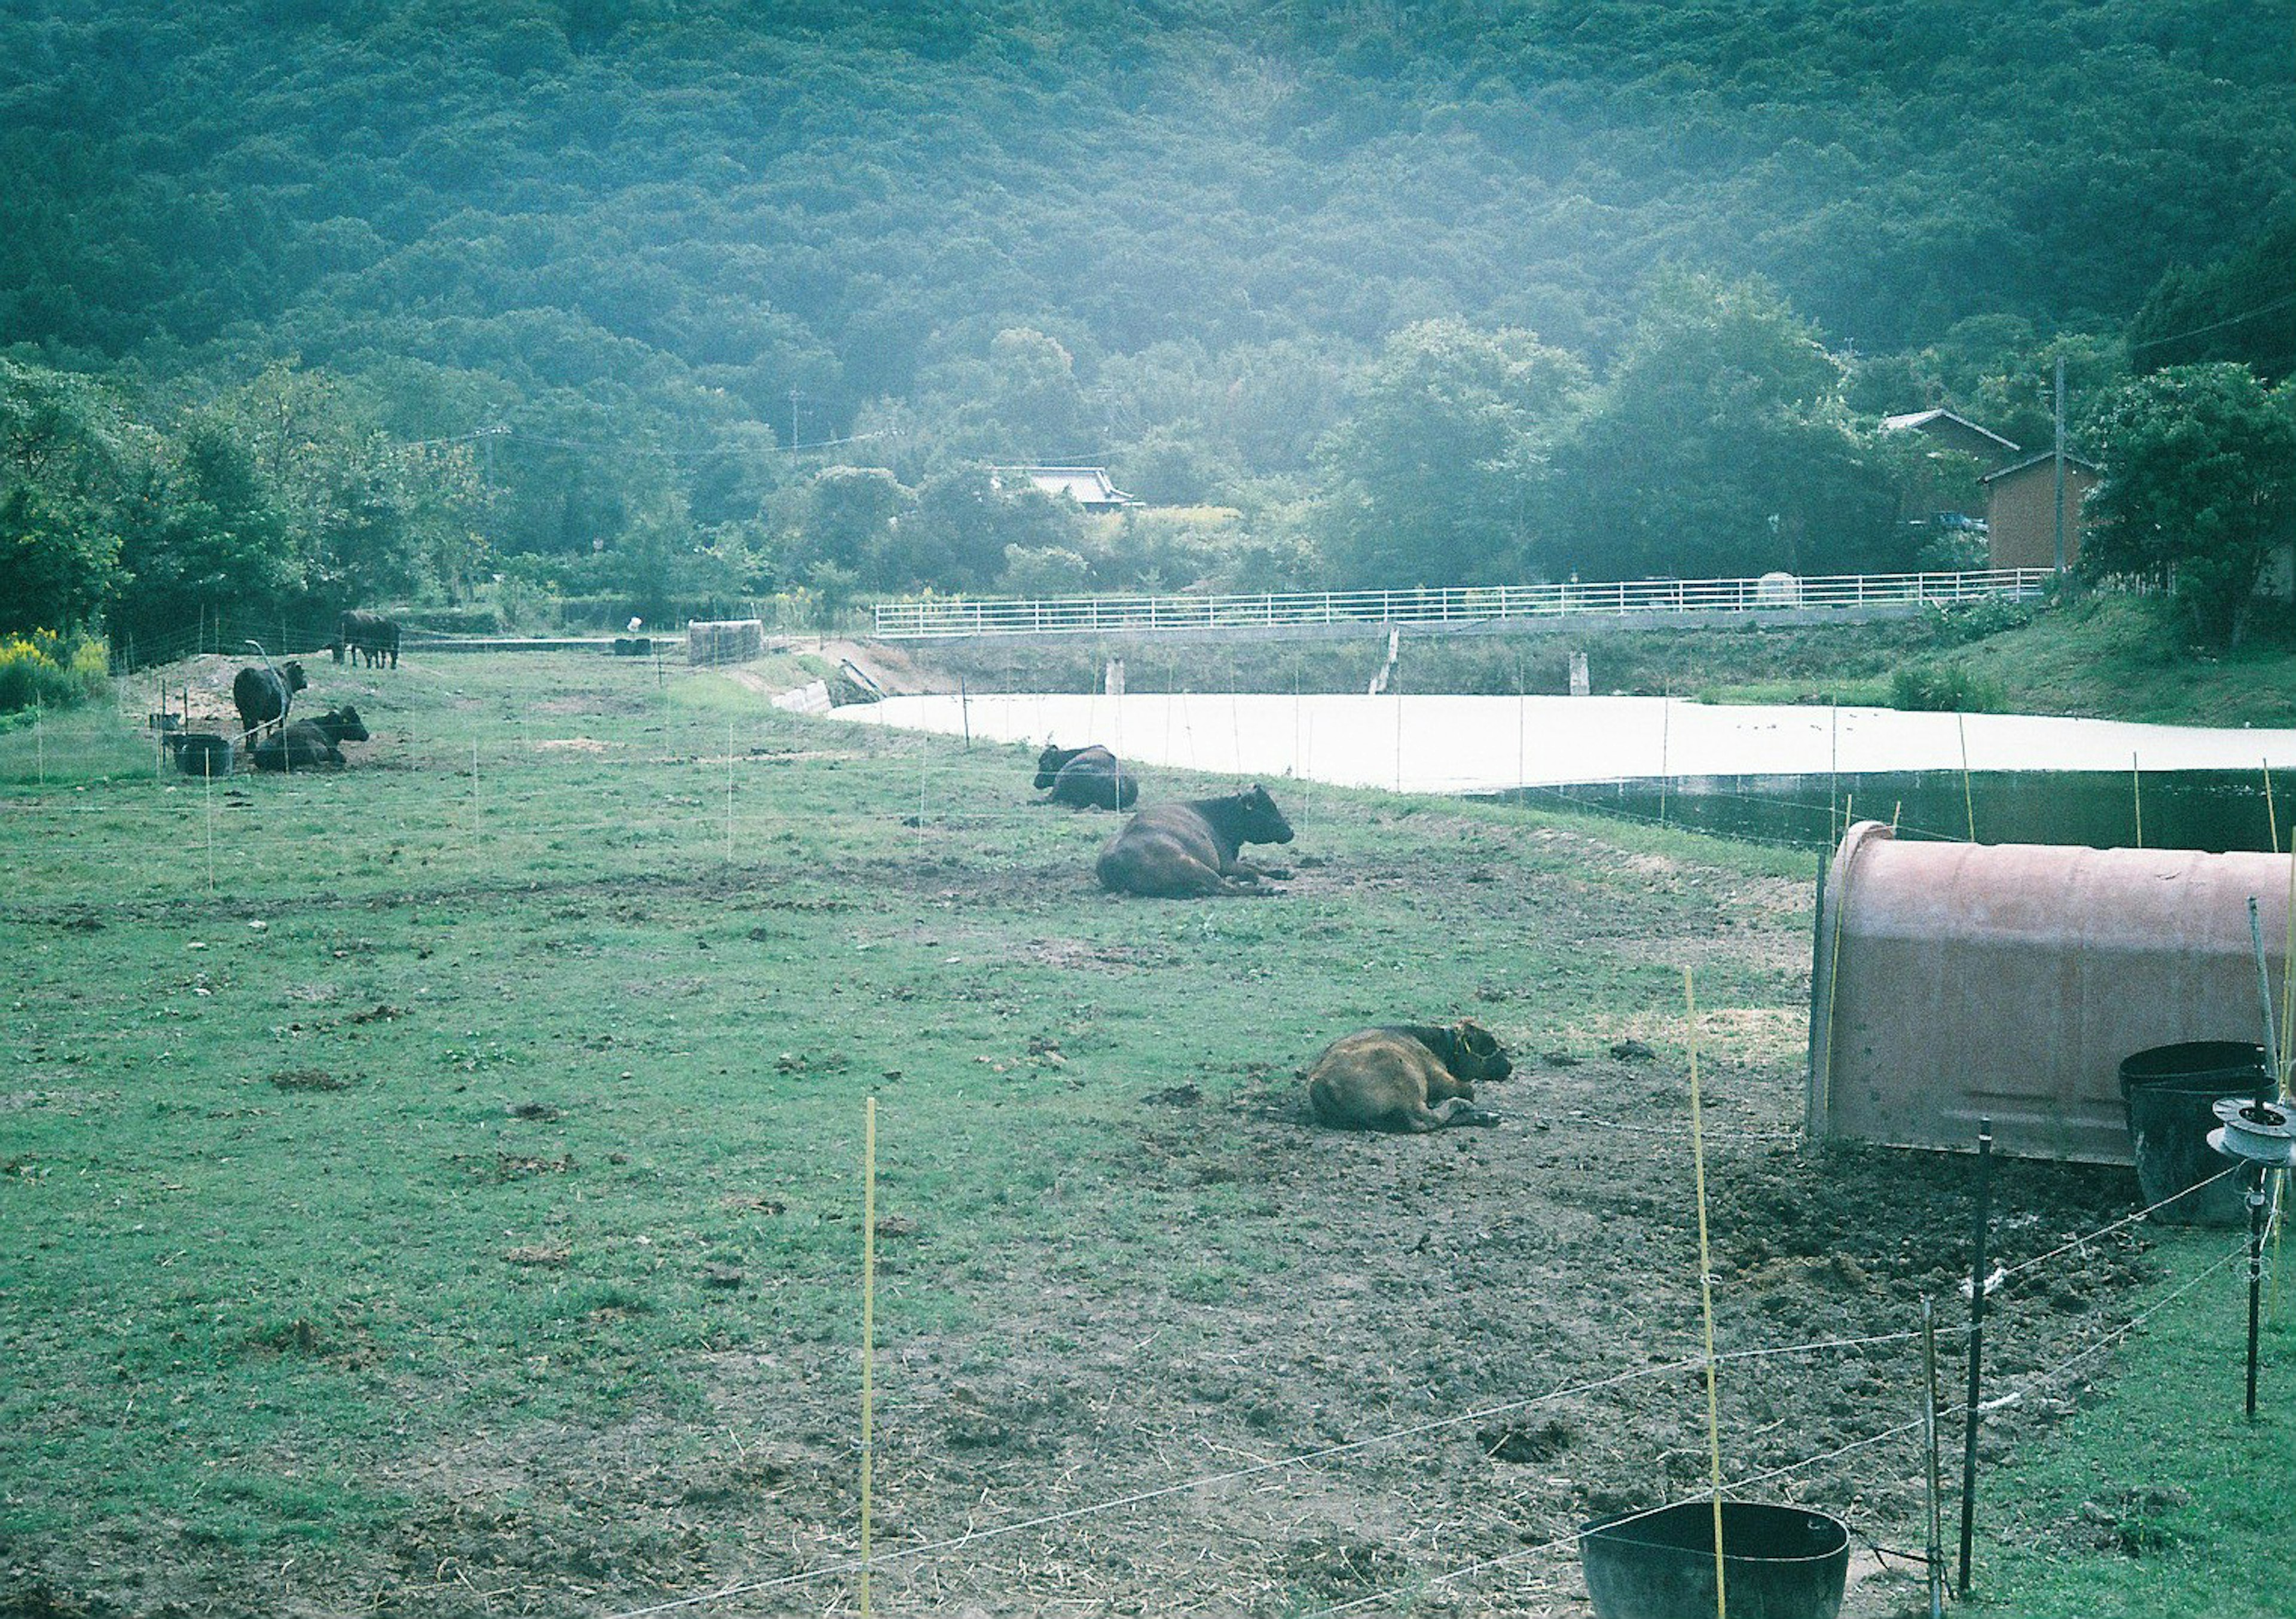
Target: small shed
column 2021, row 510
column 1954, row 982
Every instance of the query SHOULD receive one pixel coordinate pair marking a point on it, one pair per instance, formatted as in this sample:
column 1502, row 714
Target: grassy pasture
column 449, row 1200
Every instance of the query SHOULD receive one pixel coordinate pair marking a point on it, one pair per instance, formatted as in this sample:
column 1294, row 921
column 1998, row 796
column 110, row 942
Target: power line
column 2178, row 336
column 589, row 448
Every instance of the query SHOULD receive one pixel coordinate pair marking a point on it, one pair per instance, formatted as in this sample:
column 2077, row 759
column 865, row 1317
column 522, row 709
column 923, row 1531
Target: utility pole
column 486, row 437
column 793, row 399
column 2060, row 463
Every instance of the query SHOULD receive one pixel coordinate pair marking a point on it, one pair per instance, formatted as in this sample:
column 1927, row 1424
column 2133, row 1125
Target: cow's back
column 302, row 746
column 260, row 697
column 1095, row 778
column 1361, row 1081
column 1167, row 849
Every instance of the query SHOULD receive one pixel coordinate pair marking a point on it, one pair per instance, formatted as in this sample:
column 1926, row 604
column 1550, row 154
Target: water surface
column 2215, row 810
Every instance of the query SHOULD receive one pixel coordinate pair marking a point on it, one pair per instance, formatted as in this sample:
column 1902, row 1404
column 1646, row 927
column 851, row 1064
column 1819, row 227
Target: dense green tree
column 1046, row 571
column 67, row 462
column 1720, row 445
column 1434, row 475
column 1176, row 465
column 369, row 519
column 1017, row 402
column 206, row 539
column 2243, row 308
column 2199, row 488
column 965, row 519
column 847, row 520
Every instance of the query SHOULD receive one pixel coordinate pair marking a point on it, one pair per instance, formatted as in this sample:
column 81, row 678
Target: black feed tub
column 1779, row 1562
column 2171, row 1093
column 200, row 753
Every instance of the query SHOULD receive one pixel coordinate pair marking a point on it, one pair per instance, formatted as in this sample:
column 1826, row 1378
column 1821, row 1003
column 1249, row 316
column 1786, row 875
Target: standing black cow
column 308, row 744
column 367, row 638
column 1176, row 851
column 262, row 696
column 1086, row 778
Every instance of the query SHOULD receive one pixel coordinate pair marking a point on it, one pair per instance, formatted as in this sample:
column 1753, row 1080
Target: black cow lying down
column 1177, row 851
column 1086, row 778
column 308, row 744
column 1411, row 1076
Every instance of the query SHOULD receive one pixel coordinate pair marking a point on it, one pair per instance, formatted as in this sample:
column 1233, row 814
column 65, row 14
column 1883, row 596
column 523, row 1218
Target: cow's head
column 1049, row 763
column 1475, row 1053
column 344, row 725
column 1263, row 822
column 293, row 672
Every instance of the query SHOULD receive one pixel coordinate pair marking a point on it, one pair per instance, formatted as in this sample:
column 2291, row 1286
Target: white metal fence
column 1771, row 593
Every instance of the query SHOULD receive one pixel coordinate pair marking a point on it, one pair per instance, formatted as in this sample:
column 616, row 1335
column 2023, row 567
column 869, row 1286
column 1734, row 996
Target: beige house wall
column 2020, row 515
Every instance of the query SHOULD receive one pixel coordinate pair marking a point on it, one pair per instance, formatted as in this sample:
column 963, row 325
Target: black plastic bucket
column 202, row 753
column 2171, row 1091
column 1778, row 1562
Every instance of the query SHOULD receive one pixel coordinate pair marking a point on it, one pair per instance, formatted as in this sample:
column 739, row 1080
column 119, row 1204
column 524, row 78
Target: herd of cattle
column 1403, row 1076
column 264, row 695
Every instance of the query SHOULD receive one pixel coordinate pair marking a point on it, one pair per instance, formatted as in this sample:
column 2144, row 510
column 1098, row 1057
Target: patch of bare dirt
column 1469, row 1344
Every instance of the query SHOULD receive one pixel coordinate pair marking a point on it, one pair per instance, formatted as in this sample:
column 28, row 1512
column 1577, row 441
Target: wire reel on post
column 2260, row 1136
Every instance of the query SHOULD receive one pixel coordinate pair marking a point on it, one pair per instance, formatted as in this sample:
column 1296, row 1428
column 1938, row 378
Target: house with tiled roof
column 1088, row 487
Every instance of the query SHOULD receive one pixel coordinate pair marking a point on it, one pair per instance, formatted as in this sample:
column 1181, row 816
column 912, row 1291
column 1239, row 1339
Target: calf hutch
column 1956, row 982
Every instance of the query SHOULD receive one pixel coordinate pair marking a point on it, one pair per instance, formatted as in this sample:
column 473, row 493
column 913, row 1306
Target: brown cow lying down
column 1176, row 851
column 1386, row 1078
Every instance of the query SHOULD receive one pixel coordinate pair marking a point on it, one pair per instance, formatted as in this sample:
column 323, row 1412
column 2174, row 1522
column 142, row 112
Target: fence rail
column 1771, row 593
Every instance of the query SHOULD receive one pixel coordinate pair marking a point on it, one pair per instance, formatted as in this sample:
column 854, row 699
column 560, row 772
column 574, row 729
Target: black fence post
column 1979, row 1230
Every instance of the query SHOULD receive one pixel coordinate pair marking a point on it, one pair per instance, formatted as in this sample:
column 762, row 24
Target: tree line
column 307, row 304
column 1722, row 441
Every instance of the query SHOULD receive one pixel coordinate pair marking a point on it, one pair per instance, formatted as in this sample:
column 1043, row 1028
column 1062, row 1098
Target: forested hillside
column 637, row 272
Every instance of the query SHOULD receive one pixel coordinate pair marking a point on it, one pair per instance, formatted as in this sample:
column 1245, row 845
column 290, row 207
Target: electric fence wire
column 2090, row 1238
column 2106, row 1340
column 1258, row 1470
column 1523, row 1553
column 2031, row 1386
column 1587, row 803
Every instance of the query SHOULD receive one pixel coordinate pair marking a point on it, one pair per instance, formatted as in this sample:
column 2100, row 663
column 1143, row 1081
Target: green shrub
column 1960, row 623
column 1943, row 689
column 49, row 670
